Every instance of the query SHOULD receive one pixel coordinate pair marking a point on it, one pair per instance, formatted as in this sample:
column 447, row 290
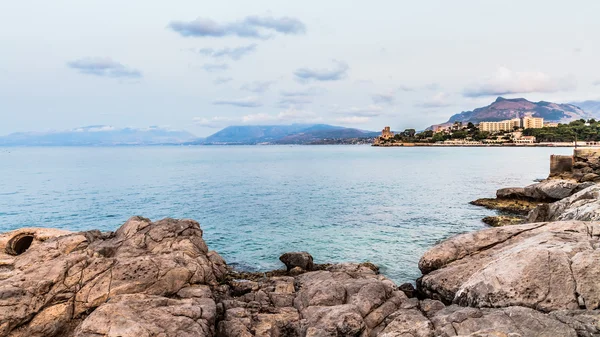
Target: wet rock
column 514, row 206
column 297, row 259
column 503, row 220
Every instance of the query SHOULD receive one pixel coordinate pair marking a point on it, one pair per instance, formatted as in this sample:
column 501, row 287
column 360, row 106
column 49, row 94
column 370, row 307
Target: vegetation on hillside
column 579, row 129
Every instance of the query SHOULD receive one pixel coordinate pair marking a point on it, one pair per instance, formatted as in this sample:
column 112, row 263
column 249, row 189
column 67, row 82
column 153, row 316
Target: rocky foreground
column 160, row 279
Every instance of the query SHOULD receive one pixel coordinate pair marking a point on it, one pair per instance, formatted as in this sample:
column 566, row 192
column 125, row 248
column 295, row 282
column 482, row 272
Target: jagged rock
column 511, row 321
column 297, row 259
column 528, row 265
column 159, row 279
column 514, row 206
column 550, row 189
column 583, row 205
column 511, row 193
column 65, row 277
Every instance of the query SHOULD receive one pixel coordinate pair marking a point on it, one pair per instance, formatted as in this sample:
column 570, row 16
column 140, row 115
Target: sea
column 340, row 203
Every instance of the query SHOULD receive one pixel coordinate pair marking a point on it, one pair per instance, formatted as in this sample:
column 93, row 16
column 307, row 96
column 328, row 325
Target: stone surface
column 158, row 279
column 526, row 265
column 65, row 277
column 297, row 259
column 583, row 205
column 503, row 220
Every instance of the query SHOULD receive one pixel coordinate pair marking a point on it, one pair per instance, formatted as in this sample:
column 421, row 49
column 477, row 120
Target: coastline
column 160, row 276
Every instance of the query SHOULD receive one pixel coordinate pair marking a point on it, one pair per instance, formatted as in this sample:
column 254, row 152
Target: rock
column 583, row 205
column 514, row 206
column 550, row 189
column 297, row 259
column 590, row 177
column 511, row 321
column 70, row 275
column 503, row 220
column 511, row 193
column 408, row 289
column 160, row 279
column 527, row 265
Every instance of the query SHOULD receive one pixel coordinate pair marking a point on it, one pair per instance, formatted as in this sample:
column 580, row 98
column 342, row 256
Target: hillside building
column 386, row 134
column 509, row 125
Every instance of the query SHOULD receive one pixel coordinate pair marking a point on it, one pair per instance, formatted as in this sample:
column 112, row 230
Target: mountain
column 99, row 135
column 283, row 134
column 504, row 108
column 591, row 107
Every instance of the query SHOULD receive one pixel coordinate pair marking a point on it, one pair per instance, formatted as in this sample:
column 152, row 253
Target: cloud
column 368, row 111
column 299, row 97
column 214, row 67
column 257, row 86
column 386, row 98
column 353, row 120
column 287, row 116
column 222, row 80
column 106, row 67
column 312, row 91
column 428, row 86
column 596, row 82
column 249, row 27
column 233, row 53
column 439, row 100
column 214, row 122
column 406, row 88
column 295, row 100
column 506, row 81
column 247, row 102
column 334, row 74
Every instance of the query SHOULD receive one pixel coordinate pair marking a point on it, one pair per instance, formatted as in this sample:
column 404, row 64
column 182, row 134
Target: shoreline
column 160, row 276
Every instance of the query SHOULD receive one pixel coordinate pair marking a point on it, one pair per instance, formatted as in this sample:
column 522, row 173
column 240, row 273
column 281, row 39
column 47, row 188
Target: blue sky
column 200, row 66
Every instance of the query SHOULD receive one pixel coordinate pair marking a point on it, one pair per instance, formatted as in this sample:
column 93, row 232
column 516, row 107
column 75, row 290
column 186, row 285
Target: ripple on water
column 341, row 203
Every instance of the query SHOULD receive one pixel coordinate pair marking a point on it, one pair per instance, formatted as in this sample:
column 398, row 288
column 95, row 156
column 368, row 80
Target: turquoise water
column 341, row 203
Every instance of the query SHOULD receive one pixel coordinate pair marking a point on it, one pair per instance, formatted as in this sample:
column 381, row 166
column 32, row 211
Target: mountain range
column 504, row 108
column 99, row 135
column 283, row 134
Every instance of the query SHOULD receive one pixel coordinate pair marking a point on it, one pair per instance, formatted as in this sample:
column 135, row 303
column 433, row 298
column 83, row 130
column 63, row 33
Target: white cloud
column 368, row 111
column 290, row 115
column 353, row 120
column 257, row 86
column 385, row 98
column 214, row 122
column 246, row 102
column 506, row 81
column 439, row 100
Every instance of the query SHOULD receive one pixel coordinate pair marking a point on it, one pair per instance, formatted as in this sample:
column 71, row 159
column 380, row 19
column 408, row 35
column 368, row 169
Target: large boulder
column 68, row 276
column 550, row 190
column 583, row 205
column 544, row 266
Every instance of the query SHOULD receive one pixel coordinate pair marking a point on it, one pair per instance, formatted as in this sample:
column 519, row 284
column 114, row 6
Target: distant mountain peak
column 508, row 108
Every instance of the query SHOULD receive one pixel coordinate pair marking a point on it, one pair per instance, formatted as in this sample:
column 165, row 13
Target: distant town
column 526, row 131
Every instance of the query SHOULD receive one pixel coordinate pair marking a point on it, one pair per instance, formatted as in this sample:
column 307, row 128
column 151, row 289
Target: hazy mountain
column 99, row 135
column 282, row 134
column 591, row 107
column 504, row 108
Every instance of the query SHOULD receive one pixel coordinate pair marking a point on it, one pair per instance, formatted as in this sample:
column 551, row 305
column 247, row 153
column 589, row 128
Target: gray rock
column 297, row 259
column 527, row 265
column 550, row 189
column 583, row 205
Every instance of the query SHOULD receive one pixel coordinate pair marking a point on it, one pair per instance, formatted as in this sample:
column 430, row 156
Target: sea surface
column 340, row 203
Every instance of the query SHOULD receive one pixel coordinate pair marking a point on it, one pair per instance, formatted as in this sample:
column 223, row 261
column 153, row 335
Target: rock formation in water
column 160, row 279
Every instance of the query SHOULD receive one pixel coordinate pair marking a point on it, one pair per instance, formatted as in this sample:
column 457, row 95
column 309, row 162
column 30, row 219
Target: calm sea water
column 340, row 203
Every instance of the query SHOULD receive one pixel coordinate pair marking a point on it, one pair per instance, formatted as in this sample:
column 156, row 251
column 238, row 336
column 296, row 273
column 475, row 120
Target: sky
column 200, row 66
